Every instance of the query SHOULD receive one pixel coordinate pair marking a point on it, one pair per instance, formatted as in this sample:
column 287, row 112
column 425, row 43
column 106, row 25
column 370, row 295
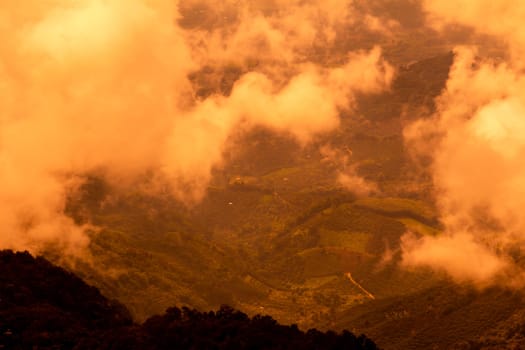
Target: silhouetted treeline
column 224, row 329
column 45, row 307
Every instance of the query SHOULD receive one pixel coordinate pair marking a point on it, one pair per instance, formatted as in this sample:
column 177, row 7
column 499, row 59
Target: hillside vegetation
column 45, row 307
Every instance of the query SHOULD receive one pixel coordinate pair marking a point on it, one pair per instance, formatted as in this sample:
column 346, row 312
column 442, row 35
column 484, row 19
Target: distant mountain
column 42, row 306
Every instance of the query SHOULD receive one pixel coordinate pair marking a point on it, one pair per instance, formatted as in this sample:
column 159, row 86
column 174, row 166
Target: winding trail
column 368, row 294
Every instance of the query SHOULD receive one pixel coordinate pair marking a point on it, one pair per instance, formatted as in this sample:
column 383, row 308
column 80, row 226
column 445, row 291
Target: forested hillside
column 45, row 307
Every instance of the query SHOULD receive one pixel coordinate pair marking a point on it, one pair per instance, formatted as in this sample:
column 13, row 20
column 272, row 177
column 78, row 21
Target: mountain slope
column 45, row 307
column 448, row 316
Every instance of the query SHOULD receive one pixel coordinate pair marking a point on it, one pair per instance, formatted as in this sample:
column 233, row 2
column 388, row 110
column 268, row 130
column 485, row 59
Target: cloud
column 476, row 141
column 102, row 86
column 501, row 19
column 346, row 175
column 277, row 35
column 459, row 255
column 85, row 84
column 306, row 106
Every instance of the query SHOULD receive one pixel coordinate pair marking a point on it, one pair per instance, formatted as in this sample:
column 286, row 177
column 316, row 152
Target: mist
column 476, row 142
column 103, row 87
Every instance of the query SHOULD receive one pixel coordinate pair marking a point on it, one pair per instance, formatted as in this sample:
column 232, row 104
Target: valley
column 311, row 170
column 276, row 233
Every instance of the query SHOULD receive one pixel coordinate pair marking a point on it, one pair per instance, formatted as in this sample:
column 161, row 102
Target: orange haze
column 102, row 85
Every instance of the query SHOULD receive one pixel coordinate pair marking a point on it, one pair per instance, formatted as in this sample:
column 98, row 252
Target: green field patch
column 318, row 282
column 354, row 218
column 354, row 241
column 399, row 207
column 418, row 227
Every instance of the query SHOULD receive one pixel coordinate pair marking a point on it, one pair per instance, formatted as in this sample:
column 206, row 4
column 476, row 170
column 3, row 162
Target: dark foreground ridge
column 43, row 306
